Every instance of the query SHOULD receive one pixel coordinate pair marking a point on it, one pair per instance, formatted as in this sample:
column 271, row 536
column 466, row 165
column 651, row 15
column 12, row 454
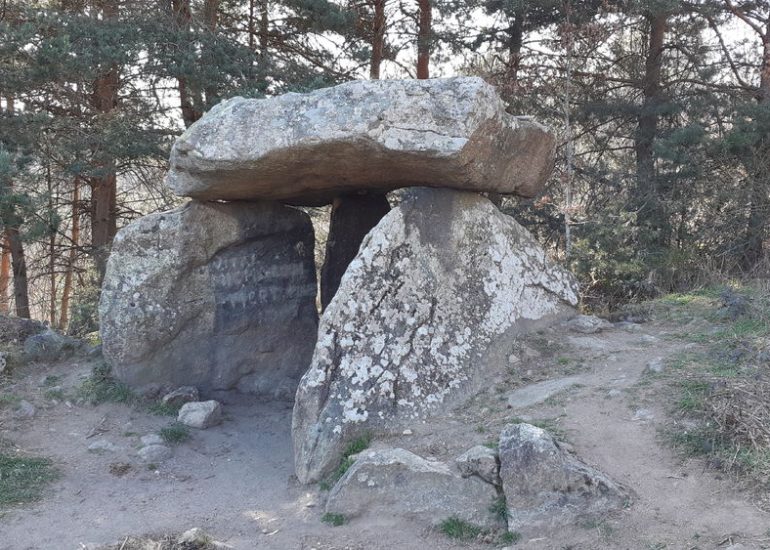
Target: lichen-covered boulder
column 545, row 486
column 399, row 483
column 217, row 296
column 435, row 296
column 362, row 135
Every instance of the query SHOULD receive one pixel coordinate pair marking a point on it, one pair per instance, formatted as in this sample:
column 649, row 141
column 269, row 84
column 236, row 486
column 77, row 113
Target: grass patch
column 57, row 394
column 102, row 387
column 456, row 528
column 499, row 508
column 159, row 408
column 175, row 433
column 9, row 400
column 24, row 479
column 510, row 537
column 335, row 520
column 353, row 448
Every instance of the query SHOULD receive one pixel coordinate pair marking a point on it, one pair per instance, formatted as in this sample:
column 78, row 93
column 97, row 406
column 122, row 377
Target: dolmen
column 221, row 293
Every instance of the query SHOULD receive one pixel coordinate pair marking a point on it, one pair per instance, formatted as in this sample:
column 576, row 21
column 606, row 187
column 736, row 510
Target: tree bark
column 182, row 17
column 759, row 206
column 68, row 274
column 378, row 39
column 648, row 202
column 19, row 264
column 5, row 274
column 104, row 99
column 424, row 38
column 352, row 217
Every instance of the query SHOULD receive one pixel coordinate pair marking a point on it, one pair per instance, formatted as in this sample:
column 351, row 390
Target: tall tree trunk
column 16, row 246
column 5, row 274
column 72, row 257
column 759, row 205
column 264, row 27
column 210, row 20
column 182, row 17
column 104, row 99
column 424, row 38
column 378, row 39
column 647, row 201
column 515, row 43
column 51, row 250
column 19, row 264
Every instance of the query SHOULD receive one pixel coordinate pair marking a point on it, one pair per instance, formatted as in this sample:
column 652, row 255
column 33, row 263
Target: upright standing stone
column 435, row 296
column 216, row 296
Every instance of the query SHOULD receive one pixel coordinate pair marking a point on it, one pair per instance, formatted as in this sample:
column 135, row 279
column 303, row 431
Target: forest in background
column 662, row 108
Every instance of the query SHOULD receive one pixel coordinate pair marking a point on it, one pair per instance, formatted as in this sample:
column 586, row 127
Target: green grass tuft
column 500, row 508
column 24, row 479
column 163, row 409
column 456, row 528
column 101, row 387
column 175, row 433
column 510, row 537
column 335, row 520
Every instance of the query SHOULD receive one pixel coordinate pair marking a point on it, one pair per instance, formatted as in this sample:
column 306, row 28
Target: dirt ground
column 236, row 480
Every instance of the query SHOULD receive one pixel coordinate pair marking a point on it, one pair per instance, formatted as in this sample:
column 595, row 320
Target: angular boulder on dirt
column 399, row 483
column 217, row 296
column 435, row 296
column 545, row 486
column 362, row 135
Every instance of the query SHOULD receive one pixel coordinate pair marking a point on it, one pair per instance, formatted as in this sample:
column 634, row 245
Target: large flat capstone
column 218, row 296
column 376, row 135
column 435, row 296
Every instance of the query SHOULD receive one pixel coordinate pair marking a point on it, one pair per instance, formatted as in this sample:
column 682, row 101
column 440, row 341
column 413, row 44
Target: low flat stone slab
column 362, row 135
column 533, row 394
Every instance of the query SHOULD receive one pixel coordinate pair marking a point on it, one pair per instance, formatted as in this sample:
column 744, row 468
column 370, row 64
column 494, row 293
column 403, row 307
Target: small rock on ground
column 200, row 414
column 102, row 445
column 155, row 453
column 152, row 439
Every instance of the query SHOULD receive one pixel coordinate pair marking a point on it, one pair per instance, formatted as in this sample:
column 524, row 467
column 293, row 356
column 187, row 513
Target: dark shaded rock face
column 435, row 296
column 352, row 217
column 218, row 296
column 546, row 486
column 365, row 135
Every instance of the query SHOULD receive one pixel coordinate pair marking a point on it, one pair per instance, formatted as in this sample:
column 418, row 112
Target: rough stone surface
column 49, row 346
column 533, row 394
column 587, row 324
column 546, row 487
column 431, row 301
column 218, row 296
column 180, row 396
column 201, row 414
column 377, row 135
column 103, row 445
column 152, row 439
column 24, row 409
column 480, row 461
column 155, row 453
column 398, row 483
column 14, row 330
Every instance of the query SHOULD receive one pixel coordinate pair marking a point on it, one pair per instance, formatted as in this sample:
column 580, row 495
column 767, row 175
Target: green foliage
column 102, row 387
column 510, row 537
column 456, row 528
column 499, row 508
column 335, row 520
column 359, row 444
column 175, row 433
column 163, row 409
column 24, row 479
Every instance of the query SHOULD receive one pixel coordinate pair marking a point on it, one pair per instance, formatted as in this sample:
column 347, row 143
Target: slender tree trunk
column 515, row 43
column 210, row 19
column 104, row 99
column 759, row 204
column 51, row 251
column 424, row 38
column 182, row 17
column 264, row 27
column 19, row 264
column 75, row 236
column 16, row 247
column 5, row 274
column 378, row 39
column 648, row 202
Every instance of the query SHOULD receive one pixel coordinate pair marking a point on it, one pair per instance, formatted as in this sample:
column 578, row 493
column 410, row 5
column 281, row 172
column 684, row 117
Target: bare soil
column 236, row 480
